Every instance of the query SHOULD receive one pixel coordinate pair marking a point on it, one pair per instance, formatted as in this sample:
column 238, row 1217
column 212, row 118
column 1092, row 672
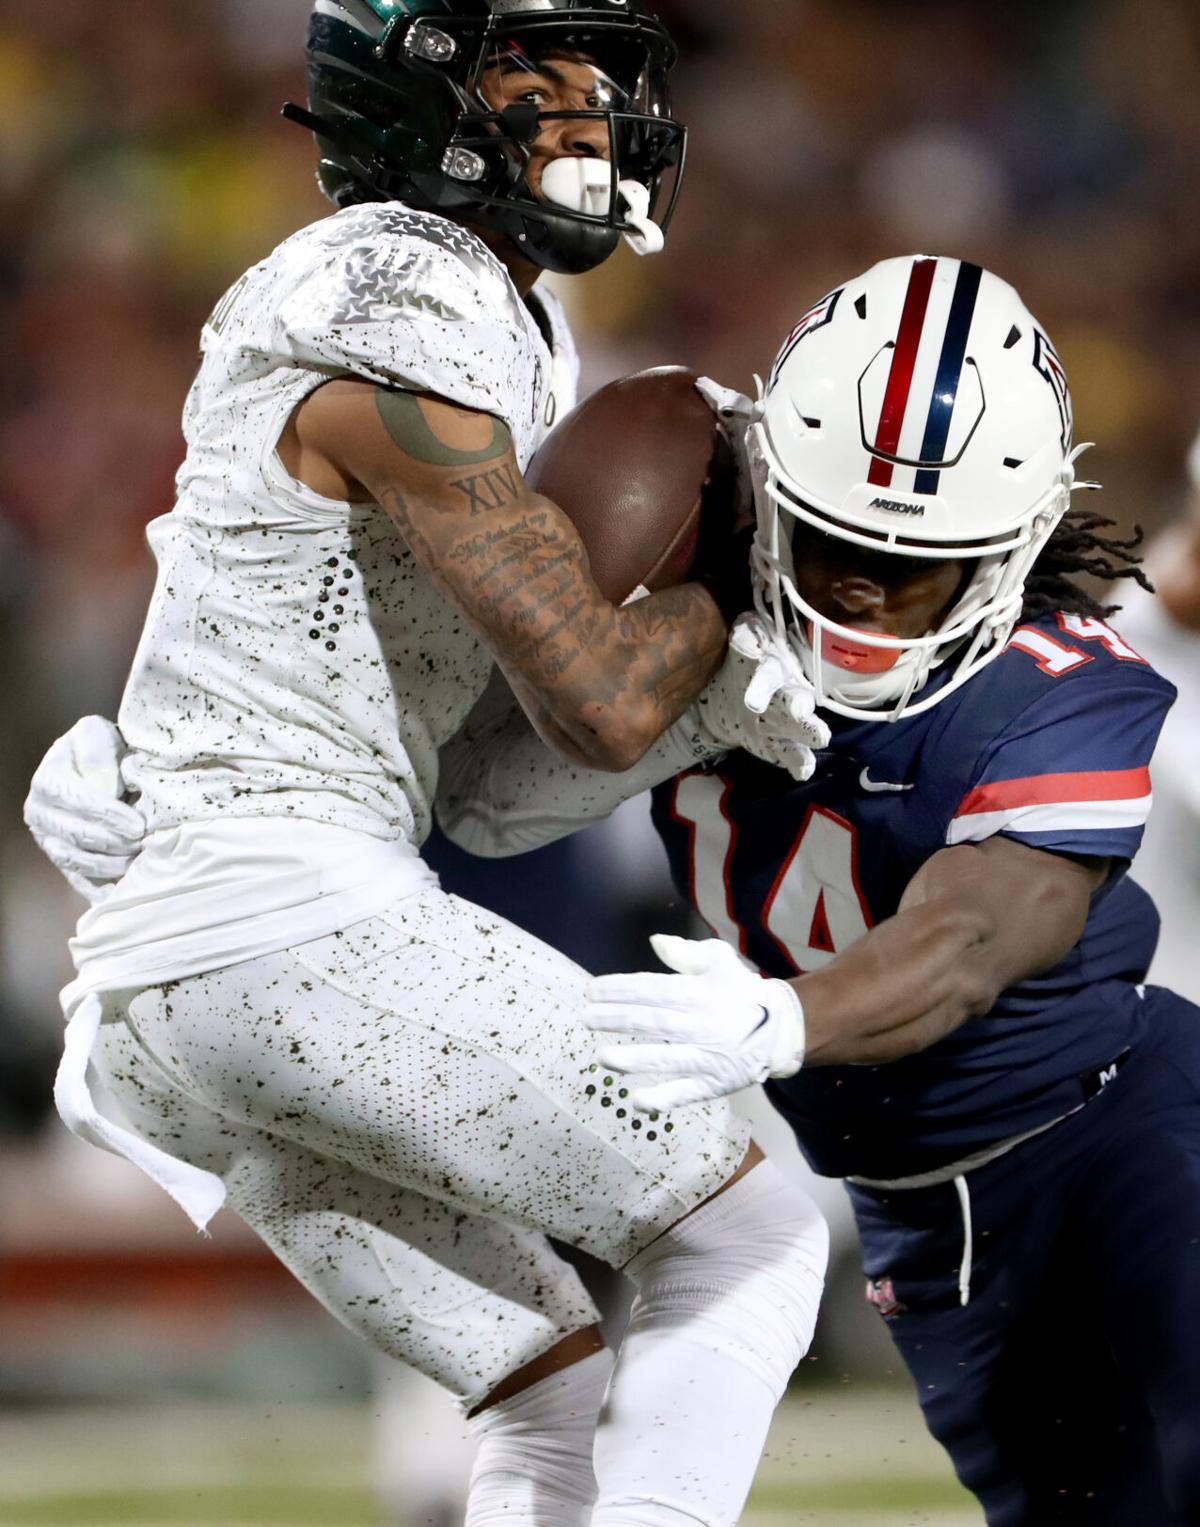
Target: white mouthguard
column 580, row 185
column 585, row 185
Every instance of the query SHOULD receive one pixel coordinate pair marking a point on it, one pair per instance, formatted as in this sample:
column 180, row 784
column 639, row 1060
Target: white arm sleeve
column 502, row 791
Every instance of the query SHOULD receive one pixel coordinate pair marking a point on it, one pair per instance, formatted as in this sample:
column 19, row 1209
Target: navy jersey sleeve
column 1070, row 771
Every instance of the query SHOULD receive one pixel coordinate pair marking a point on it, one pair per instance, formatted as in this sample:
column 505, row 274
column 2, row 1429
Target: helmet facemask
column 814, row 461
column 969, row 634
column 445, row 117
column 586, row 202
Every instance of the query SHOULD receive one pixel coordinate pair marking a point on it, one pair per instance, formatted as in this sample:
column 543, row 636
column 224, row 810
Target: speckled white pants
column 404, row 1111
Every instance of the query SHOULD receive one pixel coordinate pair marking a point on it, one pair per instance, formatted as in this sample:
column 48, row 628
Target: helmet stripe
column 950, row 364
column 904, row 357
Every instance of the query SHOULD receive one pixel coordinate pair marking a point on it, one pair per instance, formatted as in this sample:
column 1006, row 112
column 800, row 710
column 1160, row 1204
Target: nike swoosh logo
column 877, row 786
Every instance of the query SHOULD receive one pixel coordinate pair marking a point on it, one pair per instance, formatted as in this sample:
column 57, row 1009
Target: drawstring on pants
column 964, row 1270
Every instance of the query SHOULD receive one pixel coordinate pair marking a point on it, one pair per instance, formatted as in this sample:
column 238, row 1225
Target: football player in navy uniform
column 955, row 1020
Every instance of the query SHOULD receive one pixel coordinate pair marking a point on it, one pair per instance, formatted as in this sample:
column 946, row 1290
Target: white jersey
column 298, row 670
column 296, row 660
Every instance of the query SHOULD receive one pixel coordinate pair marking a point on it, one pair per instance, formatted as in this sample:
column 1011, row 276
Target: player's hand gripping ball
column 760, row 700
column 647, row 475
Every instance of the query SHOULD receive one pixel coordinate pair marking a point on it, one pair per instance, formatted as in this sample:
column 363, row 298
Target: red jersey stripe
column 1092, row 785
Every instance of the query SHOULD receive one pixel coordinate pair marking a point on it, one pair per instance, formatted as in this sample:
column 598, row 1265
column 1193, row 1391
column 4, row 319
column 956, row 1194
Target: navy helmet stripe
column 950, row 363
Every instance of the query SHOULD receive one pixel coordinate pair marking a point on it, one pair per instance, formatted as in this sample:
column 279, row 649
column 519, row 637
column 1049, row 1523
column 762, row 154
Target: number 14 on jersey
column 814, row 907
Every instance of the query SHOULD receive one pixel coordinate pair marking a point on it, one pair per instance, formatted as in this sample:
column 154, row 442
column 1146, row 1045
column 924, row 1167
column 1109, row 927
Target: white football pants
column 404, row 1111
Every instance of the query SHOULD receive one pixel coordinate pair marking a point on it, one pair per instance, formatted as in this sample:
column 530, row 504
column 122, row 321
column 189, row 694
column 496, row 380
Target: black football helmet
column 396, row 103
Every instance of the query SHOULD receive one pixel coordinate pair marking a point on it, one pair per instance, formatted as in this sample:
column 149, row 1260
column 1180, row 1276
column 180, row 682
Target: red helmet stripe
column 904, row 358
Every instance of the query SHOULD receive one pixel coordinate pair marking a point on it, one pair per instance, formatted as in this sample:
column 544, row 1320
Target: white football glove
column 760, row 700
column 724, row 1027
column 75, row 810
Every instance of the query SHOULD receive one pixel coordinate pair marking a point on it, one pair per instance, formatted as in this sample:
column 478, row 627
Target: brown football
column 630, row 466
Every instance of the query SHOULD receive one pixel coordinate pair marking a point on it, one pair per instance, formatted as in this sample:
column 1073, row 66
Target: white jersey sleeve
column 502, row 791
column 413, row 301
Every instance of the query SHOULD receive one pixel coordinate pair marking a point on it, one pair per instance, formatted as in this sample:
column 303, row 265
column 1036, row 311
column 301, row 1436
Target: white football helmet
column 919, row 409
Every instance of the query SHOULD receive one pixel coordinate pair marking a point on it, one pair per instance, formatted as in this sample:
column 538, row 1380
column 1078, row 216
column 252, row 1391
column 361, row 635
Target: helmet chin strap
column 585, row 185
column 635, row 203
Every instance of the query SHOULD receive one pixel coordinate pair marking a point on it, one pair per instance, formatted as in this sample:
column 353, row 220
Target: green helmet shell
column 395, row 105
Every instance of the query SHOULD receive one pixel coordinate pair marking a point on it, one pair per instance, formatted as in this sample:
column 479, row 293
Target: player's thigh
column 1018, row 1383
column 439, row 1047
column 1047, row 1432
column 913, row 1247
column 464, row 1298
column 1012, row 1382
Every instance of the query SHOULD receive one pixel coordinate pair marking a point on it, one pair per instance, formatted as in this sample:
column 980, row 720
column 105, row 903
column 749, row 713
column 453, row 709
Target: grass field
column 839, row 1457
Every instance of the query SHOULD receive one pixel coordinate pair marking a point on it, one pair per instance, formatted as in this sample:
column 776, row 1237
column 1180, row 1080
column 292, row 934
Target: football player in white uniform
column 392, row 1087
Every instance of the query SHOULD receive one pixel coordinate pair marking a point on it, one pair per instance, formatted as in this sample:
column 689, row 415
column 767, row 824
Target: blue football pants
column 1067, row 1389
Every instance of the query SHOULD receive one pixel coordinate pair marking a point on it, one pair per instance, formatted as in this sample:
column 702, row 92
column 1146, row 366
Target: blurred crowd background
column 143, row 166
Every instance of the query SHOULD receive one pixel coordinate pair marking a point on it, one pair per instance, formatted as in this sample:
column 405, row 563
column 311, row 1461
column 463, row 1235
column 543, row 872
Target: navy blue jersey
column 1050, row 744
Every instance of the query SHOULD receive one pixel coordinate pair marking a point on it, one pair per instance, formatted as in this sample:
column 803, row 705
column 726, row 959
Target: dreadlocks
column 1077, row 546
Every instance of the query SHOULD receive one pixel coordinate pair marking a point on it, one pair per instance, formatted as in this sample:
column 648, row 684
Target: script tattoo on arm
column 599, row 683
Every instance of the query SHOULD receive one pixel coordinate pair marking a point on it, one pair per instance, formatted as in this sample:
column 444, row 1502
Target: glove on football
column 724, row 1027
column 75, row 812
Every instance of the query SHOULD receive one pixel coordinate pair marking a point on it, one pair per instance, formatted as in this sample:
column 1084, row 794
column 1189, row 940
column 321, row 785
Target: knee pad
column 742, row 1274
column 725, row 1309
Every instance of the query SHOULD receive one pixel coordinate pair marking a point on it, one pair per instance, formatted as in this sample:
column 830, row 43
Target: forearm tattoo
column 516, row 566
